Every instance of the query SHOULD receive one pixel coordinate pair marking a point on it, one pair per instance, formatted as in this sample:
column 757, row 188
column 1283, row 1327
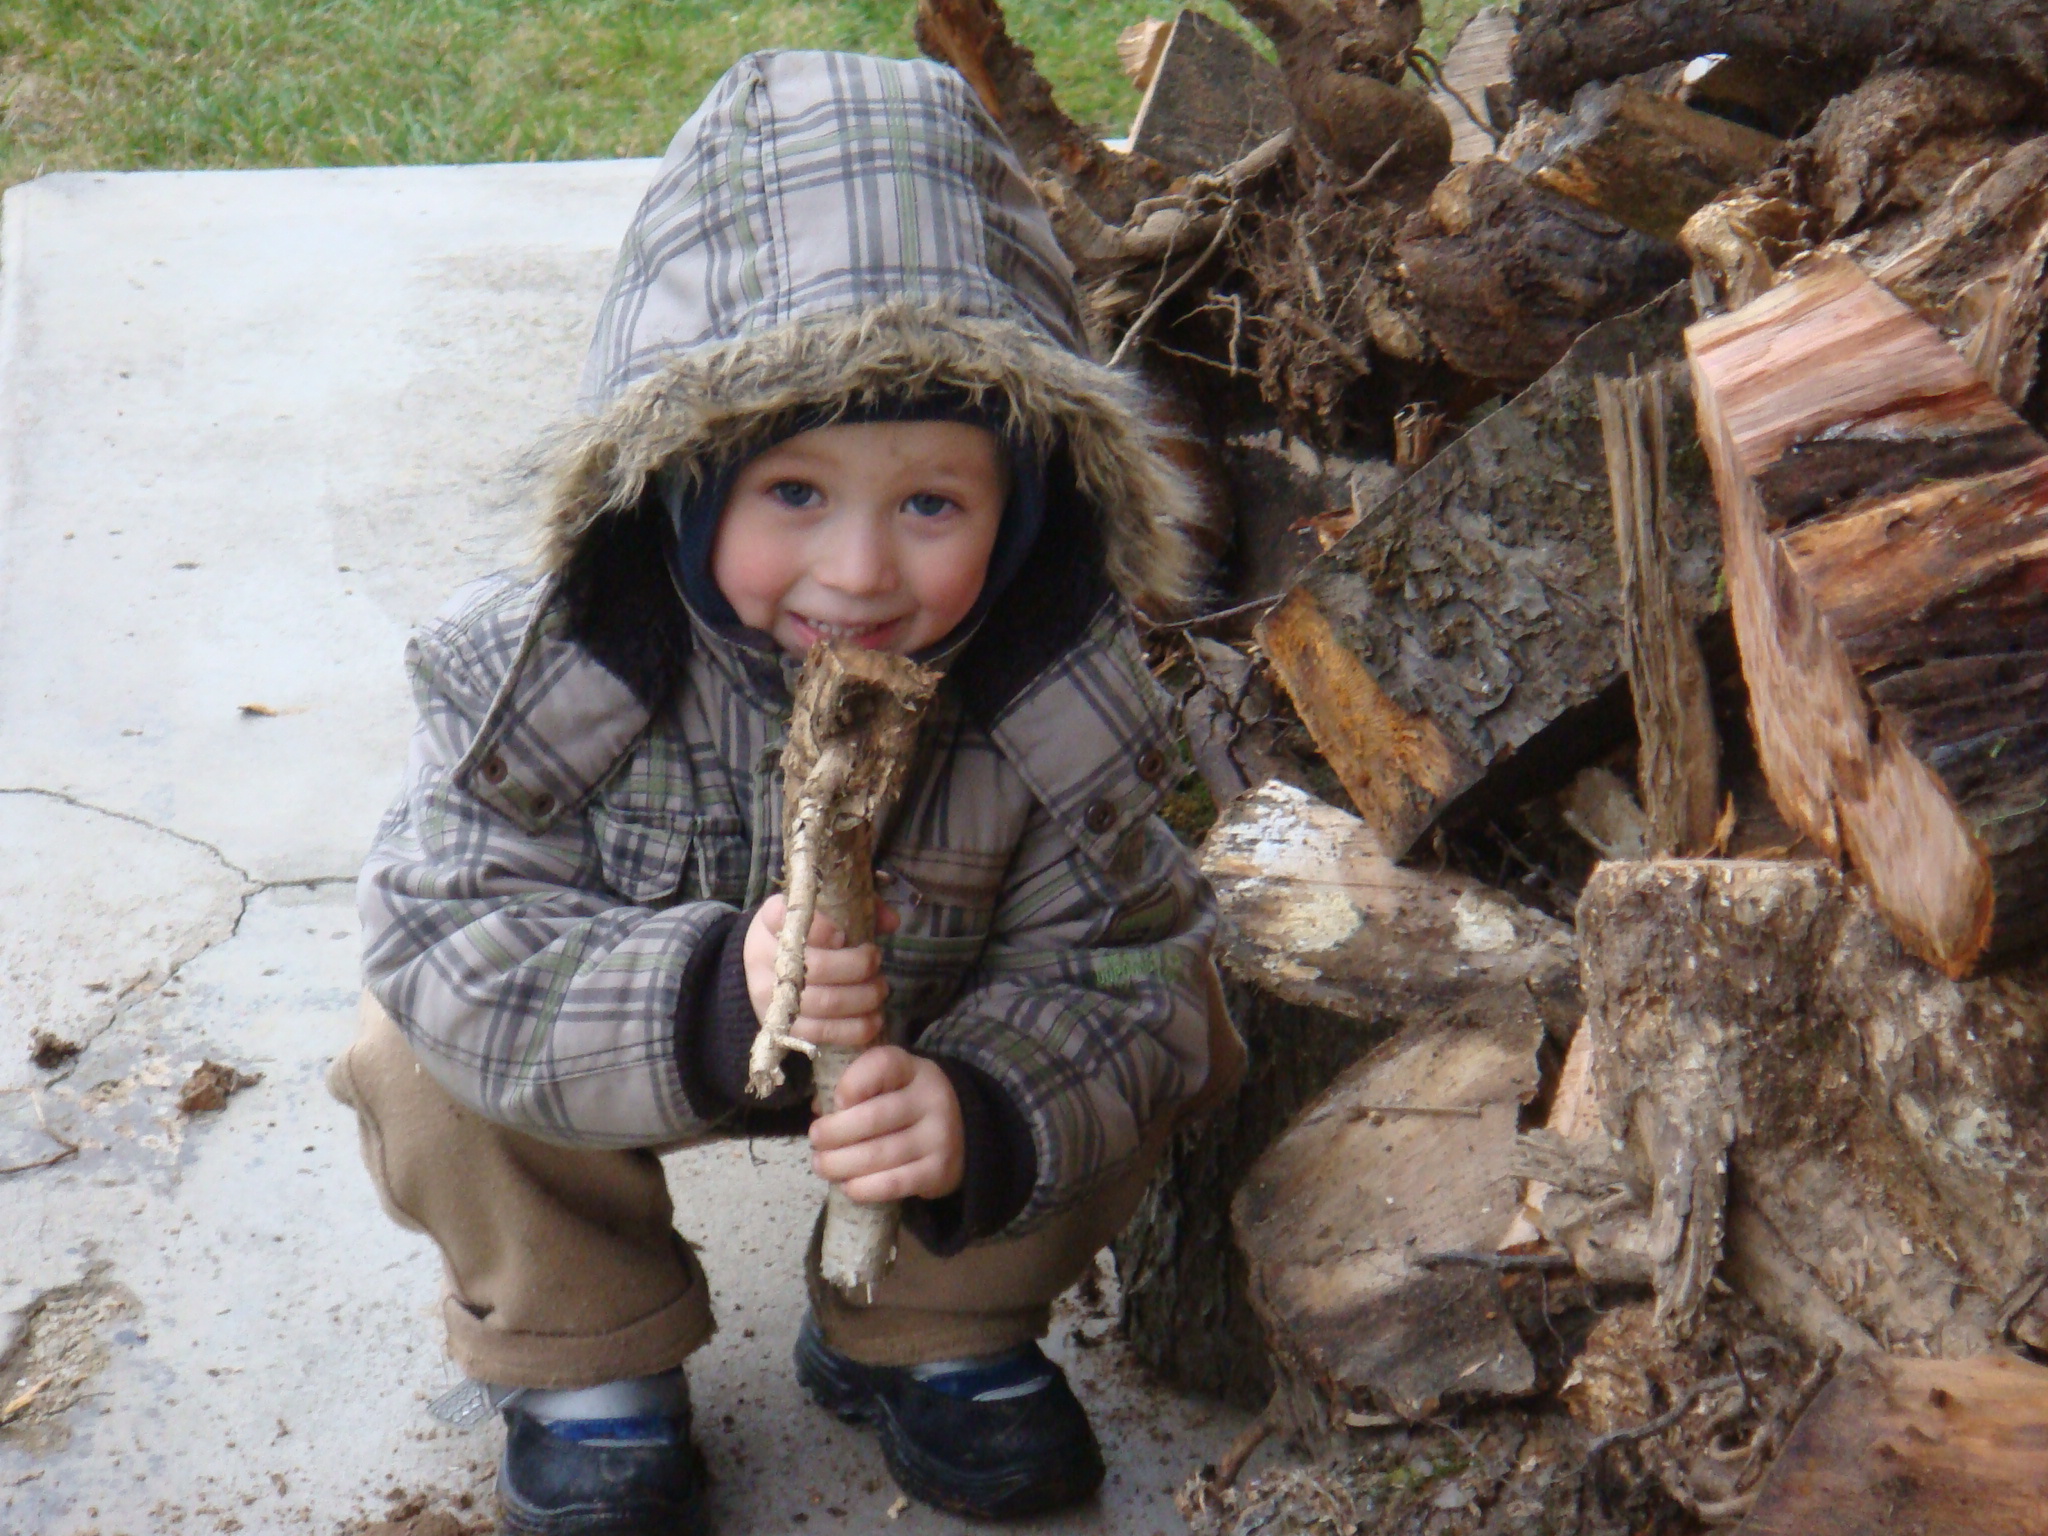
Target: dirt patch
column 62, row 1349
column 425, row 1514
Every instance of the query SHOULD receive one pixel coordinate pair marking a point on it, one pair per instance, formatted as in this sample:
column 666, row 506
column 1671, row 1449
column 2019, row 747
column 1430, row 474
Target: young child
column 838, row 388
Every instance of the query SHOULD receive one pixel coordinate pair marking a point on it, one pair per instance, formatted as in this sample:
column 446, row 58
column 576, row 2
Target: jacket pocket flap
column 644, row 857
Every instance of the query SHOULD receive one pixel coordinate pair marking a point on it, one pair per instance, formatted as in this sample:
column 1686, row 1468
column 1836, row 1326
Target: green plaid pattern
column 813, row 184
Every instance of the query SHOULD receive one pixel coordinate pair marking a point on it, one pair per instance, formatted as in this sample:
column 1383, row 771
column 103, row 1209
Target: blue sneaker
column 990, row 1439
column 613, row 1460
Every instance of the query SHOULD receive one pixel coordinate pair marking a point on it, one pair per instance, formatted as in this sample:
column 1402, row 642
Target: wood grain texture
column 1886, row 523
column 1915, row 1448
column 1437, row 645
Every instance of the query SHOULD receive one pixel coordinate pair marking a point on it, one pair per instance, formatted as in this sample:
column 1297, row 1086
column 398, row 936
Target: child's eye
column 794, row 493
column 929, row 504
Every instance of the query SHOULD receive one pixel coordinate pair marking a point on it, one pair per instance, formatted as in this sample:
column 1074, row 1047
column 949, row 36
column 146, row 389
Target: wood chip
column 210, row 1086
column 21, row 1402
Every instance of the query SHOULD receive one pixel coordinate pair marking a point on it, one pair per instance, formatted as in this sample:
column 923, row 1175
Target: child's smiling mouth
column 872, row 636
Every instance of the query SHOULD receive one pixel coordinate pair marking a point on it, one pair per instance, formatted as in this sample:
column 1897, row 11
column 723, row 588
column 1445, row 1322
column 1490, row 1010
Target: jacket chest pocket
column 721, row 857
column 644, row 856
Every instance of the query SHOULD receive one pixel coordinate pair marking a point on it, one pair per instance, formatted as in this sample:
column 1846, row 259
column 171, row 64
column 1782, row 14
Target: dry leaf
column 47, row 1050
column 263, row 710
column 210, row 1085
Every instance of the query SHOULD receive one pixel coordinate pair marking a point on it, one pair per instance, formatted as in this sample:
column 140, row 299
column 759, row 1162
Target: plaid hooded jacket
column 594, row 790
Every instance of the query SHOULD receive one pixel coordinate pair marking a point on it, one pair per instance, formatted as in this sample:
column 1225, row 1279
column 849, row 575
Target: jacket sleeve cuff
column 715, row 1028
column 1001, row 1167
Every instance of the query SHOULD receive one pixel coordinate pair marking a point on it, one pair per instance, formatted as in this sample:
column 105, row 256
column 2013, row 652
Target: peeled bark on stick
column 851, row 737
column 1563, row 44
column 1507, row 275
column 1443, row 651
column 1886, row 525
column 1678, row 753
column 1850, row 1138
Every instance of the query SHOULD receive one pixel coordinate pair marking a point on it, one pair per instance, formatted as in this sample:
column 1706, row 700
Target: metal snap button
column 1151, row 765
column 1099, row 817
column 494, row 769
column 543, row 803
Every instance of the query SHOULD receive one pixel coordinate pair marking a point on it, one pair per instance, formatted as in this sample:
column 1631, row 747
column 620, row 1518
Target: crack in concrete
column 140, row 989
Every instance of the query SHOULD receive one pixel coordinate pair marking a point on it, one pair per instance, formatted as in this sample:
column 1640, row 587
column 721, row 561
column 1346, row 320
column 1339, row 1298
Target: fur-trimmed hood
column 828, row 229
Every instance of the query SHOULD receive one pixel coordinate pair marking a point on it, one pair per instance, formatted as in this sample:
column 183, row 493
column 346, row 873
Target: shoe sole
column 984, row 1496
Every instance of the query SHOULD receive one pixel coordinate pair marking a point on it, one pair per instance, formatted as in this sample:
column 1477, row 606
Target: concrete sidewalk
column 253, row 427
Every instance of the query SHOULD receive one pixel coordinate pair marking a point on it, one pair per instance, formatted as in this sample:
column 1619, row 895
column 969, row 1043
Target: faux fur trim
column 725, row 397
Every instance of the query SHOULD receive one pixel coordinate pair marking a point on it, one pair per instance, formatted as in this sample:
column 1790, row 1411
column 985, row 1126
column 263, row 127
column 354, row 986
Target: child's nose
column 861, row 559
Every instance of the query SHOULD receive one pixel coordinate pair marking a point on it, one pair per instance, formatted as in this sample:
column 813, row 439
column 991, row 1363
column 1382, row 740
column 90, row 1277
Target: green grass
column 135, row 84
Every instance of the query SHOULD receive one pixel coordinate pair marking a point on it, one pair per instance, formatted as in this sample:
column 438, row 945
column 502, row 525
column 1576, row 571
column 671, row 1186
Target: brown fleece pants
column 563, row 1268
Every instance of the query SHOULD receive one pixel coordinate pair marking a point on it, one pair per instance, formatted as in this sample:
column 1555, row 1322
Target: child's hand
column 843, row 988
column 896, row 1131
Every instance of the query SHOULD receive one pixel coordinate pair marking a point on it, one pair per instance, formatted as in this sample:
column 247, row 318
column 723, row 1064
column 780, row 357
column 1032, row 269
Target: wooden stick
column 852, row 734
column 1679, row 758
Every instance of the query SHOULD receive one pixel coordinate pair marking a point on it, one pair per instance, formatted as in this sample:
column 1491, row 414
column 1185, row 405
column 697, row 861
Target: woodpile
column 1617, row 732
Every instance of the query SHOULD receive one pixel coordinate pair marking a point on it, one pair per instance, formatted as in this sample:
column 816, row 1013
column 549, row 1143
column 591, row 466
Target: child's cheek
column 750, row 566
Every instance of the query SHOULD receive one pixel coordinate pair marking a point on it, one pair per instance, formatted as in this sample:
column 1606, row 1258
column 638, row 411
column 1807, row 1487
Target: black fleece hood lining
column 619, row 600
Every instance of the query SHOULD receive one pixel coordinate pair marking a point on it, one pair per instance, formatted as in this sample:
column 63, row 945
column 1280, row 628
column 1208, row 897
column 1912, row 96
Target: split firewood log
column 1473, row 80
column 1328, row 950
column 1563, row 44
column 1883, row 514
column 1404, row 1159
column 852, row 734
column 1434, row 648
column 1211, row 97
column 1850, row 1138
column 1914, row 1445
column 1507, row 274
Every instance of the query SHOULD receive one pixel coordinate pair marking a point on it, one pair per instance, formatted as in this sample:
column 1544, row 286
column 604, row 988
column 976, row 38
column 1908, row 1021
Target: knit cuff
column 715, row 1029
column 1000, row 1167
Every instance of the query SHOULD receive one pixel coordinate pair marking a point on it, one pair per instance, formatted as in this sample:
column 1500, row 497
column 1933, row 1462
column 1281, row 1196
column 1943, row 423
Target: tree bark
column 1644, row 159
column 1862, row 1136
column 1563, row 44
column 1446, row 652
column 1506, row 275
column 1212, row 98
column 972, row 36
column 1883, row 514
column 1329, row 949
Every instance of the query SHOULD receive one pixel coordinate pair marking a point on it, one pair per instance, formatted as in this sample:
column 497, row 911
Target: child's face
column 876, row 532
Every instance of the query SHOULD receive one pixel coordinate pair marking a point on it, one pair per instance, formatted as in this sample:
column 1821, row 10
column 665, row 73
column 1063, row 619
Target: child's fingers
column 853, row 1124
column 854, row 1032
column 886, row 1069
column 825, row 934
column 925, row 1177
column 879, row 1154
column 838, row 967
